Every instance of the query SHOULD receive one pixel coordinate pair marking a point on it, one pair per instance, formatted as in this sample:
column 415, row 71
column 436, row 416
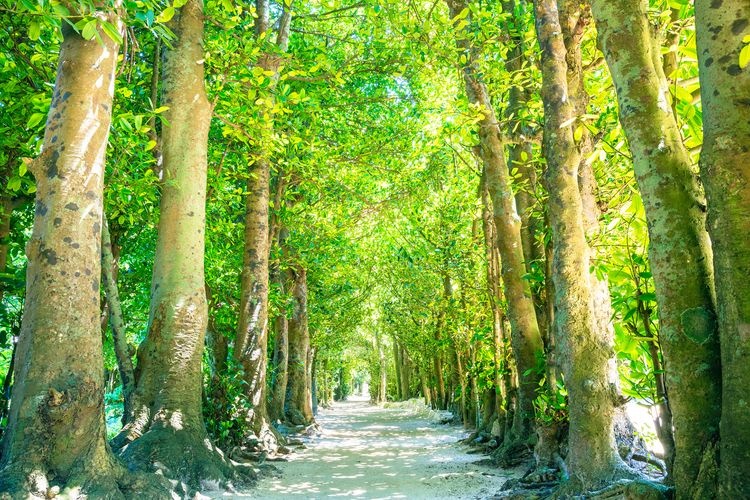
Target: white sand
column 373, row 452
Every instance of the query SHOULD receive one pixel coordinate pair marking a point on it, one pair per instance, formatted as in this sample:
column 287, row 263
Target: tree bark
column 251, row 341
column 586, row 349
column 117, row 323
column 299, row 403
column 526, row 340
column 56, row 432
column 167, row 430
column 679, row 250
column 725, row 93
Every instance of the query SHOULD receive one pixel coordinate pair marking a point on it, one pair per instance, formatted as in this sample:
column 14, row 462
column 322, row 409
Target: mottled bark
column 167, row 430
column 56, row 431
column 679, row 250
column 725, row 92
column 117, row 323
column 526, row 340
column 298, row 400
column 586, row 350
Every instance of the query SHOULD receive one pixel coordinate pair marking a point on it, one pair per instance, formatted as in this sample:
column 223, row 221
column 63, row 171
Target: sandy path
column 371, row 452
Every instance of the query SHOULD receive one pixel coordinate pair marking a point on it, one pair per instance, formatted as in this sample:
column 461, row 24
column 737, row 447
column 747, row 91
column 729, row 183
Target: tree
column 525, row 335
column 252, row 332
column 585, row 347
column 56, row 436
column 679, row 250
column 167, row 428
column 725, row 89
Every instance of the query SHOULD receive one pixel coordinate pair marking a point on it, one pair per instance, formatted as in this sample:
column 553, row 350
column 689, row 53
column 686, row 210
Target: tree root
column 188, row 459
column 108, row 480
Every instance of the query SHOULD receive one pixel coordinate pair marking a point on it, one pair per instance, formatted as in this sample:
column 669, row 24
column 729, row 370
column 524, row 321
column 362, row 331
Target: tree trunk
column 56, row 432
column 252, row 332
column 586, row 349
column 168, row 429
column 397, row 364
column 298, row 404
column 679, row 250
column 117, row 323
column 526, row 339
column 725, row 91
column 6, row 210
column 281, row 343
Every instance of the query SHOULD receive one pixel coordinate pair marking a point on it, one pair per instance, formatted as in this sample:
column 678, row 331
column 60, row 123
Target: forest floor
column 367, row 451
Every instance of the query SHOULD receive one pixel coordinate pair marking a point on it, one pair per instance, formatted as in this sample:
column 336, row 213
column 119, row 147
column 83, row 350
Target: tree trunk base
column 93, row 477
column 189, row 458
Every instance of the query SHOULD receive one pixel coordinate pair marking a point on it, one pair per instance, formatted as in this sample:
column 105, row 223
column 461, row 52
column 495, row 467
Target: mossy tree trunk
column 526, row 340
column 56, row 434
column 299, row 399
column 586, row 351
column 725, row 169
column 167, row 431
column 679, row 249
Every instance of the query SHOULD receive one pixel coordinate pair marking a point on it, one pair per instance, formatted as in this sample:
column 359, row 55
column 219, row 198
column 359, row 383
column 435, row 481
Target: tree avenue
column 220, row 219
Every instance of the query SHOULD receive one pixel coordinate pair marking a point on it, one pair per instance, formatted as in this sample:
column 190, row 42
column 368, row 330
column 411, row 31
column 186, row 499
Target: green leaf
column 14, row 183
column 34, row 120
column 166, row 15
column 178, row 3
column 34, row 30
column 151, row 145
column 112, row 32
column 89, row 30
column 745, row 56
column 161, row 109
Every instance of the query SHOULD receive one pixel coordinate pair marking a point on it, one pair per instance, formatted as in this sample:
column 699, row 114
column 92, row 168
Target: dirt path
column 371, row 452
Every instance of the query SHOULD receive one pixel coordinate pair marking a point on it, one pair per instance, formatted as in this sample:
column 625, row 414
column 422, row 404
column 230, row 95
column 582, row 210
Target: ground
column 369, row 451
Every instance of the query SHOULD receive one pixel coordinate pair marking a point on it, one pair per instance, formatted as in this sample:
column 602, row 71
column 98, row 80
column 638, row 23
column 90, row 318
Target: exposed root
column 108, row 480
column 189, row 460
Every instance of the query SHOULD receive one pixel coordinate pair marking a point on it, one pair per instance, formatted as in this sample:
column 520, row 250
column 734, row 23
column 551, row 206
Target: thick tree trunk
column 526, row 339
column 167, row 430
column 56, row 431
column 299, row 403
column 117, row 323
column 725, row 91
column 586, row 350
column 679, row 251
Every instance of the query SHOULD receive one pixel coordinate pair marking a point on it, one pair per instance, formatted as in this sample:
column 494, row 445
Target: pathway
column 372, row 452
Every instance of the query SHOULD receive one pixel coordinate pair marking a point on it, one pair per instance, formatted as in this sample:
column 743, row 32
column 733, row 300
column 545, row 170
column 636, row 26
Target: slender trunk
column 6, row 210
column 405, row 379
column 586, row 349
column 725, row 91
column 56, row 432
column 398, row 365
column 679, row 251
column 526, row 339
column 168, row 427
column 119, row 337
column 298, row 404
column 426, row 392
column 520, row 154
column 251, row 342
column 281, row 343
